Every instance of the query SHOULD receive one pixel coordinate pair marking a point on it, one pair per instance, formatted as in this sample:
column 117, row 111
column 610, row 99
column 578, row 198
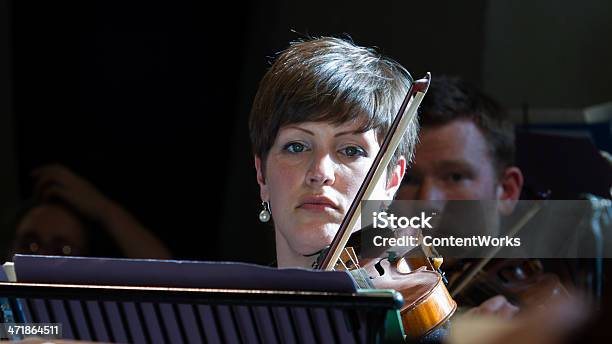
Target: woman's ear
column 509, row 189
column 394, row 181
column 264, row 193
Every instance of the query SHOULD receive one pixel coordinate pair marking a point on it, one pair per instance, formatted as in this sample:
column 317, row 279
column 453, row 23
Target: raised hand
column 135, row 241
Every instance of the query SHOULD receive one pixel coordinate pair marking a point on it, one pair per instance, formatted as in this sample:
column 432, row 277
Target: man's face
column 452, row 162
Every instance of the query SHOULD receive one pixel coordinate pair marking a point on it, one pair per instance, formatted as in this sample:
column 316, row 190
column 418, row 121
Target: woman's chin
column 314, row 242
column 319, row 223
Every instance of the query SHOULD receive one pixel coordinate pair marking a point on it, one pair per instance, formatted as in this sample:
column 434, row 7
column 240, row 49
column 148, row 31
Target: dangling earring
column 265, row 214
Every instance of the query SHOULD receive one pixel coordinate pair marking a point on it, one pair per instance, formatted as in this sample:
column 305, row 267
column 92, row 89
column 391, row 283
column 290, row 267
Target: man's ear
column 509, row 189
column 264, row 193
column 395, row 179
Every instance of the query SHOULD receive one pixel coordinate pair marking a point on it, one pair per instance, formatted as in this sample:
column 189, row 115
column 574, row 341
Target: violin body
column 522, row 281
column 427, row 302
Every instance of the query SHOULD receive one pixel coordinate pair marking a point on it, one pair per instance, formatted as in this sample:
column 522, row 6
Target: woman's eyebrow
column 350, row 132
column 302, row 129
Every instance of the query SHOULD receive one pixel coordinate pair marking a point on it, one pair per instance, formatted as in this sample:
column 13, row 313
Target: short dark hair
column 451, row 98
column 332, row 80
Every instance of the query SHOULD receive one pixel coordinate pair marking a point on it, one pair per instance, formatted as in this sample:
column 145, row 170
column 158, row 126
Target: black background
column 150, row 100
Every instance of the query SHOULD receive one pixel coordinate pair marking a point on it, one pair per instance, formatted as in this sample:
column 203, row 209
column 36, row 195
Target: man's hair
column 331, row 80
column 450, row 98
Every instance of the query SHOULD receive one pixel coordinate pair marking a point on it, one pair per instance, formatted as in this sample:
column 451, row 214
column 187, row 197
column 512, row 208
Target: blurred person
column 466, row 152
column 53, row 228
column 71, row 217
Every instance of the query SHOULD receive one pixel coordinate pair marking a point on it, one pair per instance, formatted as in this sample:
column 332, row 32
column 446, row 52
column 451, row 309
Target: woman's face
column 312, row 173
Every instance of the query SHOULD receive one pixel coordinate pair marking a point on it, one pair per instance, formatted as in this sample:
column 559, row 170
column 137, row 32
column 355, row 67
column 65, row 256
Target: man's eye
column 456, row 177
column 353, row 151
column 295, row 147
column 410, row 180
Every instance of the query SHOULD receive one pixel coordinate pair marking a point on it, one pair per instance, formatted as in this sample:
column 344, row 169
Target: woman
column 317, row 122
column 318, row 119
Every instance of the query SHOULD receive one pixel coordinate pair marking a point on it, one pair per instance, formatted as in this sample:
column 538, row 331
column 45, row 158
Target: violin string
column 353, row 257
column 512, row 232
column 344, row 267
column 491, row 289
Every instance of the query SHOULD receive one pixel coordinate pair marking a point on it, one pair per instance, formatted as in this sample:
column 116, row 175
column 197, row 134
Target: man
column 465, row 152
column 466, row 149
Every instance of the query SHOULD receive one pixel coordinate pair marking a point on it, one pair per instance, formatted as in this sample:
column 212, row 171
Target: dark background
column 150, row 100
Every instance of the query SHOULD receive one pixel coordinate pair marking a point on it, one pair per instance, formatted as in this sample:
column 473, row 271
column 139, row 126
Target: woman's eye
column 353, row 151
column 295, row 147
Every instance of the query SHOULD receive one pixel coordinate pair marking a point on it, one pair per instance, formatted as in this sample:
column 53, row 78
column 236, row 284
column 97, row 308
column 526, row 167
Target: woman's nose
column 321, row 171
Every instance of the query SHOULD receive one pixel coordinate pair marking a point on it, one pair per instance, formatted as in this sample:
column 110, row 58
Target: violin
column 522, row 281
column 427, row 302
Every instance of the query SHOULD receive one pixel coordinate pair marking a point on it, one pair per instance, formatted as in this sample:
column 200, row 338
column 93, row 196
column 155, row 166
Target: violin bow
column 406, row 113
column 514, row 230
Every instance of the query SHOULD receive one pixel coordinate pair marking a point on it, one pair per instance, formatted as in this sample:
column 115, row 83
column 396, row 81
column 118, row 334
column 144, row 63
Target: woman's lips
column 316, row 207
column 318, row 204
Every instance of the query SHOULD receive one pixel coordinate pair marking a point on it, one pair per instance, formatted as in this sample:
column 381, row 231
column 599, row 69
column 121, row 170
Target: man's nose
column 321, row 171
column 429, row 191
